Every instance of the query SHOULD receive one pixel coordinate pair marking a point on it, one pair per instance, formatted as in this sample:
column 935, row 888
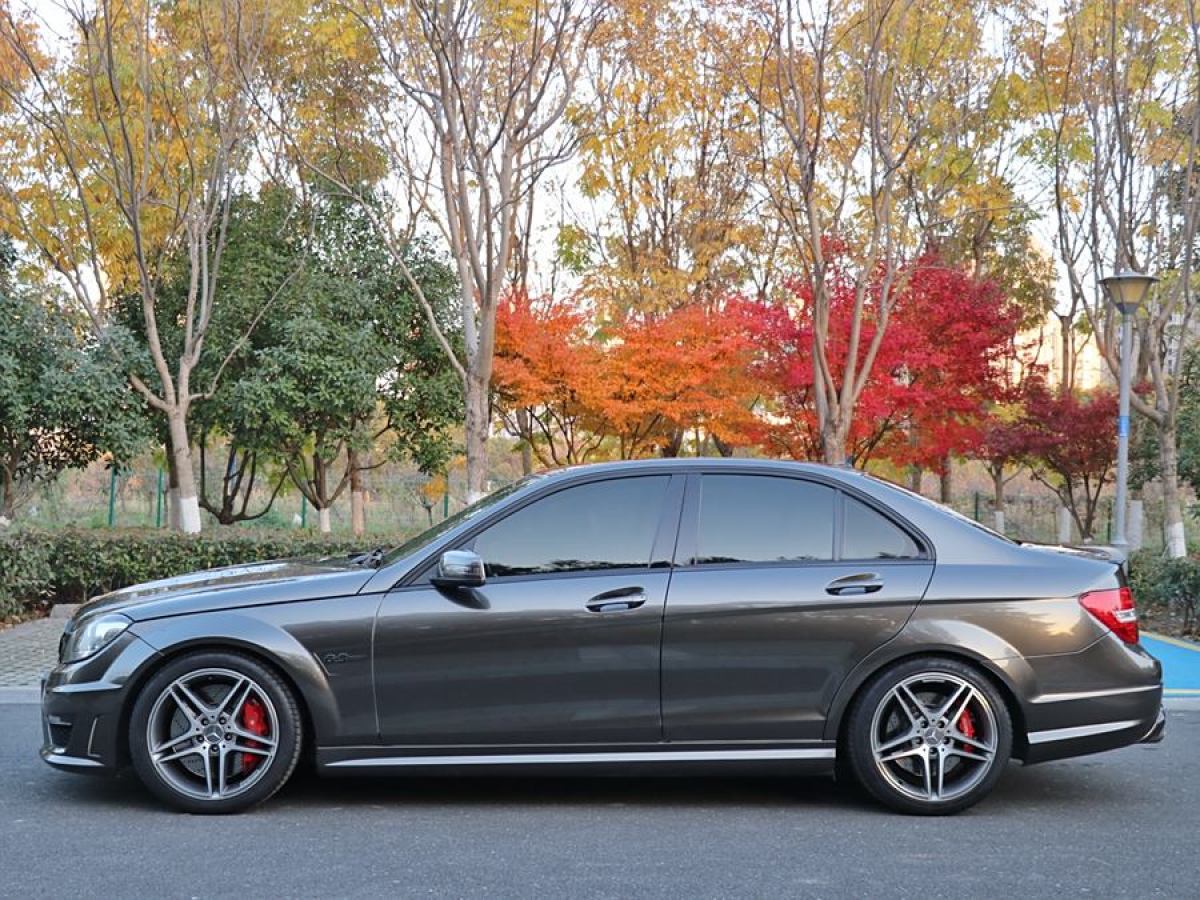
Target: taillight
column 1115, row 610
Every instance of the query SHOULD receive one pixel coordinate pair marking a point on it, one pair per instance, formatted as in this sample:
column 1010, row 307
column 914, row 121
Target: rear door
column 783, row 585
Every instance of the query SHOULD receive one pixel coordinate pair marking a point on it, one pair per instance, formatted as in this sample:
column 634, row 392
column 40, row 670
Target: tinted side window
column 601, row 525
column 868, row 535
column 759, row 518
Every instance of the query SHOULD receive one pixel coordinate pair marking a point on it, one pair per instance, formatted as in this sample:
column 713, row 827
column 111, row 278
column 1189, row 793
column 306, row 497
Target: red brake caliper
column 966, row 724
column 254, row 720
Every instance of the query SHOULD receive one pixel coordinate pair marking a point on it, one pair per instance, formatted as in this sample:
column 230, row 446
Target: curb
column 21, row 695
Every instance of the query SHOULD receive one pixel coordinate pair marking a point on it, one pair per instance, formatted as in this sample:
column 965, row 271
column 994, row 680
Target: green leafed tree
column 64, row 397
column 344, row 373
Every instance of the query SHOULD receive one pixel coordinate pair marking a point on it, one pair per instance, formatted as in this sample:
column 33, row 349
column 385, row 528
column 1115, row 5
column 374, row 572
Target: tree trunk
column 172, row 494
column 476, row 437
column 1064, row 525
column 181, row 453
column 834, row 437
column 998, row 498
column 8, row 496
column 1172, row 511
column 526, row 441
column 914, row 479
column 326, row 524
column 358, row 508
column 946, row 481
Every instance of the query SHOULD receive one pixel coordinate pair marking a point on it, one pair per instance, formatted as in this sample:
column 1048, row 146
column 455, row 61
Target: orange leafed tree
column 572, row 391
column 686, row 371
column 545, row 378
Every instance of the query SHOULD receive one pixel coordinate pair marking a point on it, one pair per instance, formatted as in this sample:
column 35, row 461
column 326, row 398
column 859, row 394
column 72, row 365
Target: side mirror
column 459, row 569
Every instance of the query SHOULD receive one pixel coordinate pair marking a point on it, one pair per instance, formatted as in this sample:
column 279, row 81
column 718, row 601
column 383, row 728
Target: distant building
column 1045, row 345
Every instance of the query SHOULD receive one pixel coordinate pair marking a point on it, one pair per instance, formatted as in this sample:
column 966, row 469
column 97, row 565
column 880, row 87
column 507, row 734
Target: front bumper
column 83, row 707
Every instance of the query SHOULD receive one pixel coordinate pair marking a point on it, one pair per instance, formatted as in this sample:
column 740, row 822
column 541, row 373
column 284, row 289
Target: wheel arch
column 295, row 667
column 994, row 670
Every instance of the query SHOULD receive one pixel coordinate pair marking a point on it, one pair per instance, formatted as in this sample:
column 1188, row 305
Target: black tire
column 173, row 781
column 877, row 721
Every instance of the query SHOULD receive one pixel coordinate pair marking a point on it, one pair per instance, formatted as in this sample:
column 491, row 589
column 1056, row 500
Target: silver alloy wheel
column 919, row 738
column 198, row 739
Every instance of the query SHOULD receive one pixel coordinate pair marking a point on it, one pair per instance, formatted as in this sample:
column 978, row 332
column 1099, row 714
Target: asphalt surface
column 1122, row 824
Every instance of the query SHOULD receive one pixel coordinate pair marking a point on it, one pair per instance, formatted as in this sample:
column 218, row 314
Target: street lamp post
column 1125, row 290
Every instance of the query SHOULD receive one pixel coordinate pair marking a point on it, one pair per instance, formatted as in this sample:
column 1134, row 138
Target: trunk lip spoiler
column 1118, row 556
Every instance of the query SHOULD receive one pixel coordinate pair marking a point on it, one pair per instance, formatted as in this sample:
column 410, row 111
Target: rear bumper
column 1159, row 731
column 1105, row 697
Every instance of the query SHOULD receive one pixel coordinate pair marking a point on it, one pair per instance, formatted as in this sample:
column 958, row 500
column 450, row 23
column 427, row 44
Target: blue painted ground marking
column 1181, row 664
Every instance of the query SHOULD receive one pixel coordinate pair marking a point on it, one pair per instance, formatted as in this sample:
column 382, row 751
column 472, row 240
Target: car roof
column 706, row 462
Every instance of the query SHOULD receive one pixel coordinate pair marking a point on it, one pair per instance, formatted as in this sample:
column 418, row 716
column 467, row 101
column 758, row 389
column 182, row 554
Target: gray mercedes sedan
column 666, row 615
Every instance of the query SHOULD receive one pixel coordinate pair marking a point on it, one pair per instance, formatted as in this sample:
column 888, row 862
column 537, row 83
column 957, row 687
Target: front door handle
column 617, row 600
column 861, row 583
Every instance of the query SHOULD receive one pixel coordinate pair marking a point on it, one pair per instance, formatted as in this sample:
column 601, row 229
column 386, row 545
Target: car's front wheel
column 214, row 732
column 929, row 736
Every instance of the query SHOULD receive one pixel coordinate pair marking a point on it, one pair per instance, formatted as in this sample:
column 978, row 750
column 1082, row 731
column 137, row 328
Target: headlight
column 93, row 635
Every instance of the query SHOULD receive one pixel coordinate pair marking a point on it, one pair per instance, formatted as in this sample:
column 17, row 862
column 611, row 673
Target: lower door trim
column 606, row 757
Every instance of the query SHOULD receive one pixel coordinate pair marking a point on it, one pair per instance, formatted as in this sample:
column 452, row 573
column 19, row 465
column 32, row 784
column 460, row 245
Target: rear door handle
column 861, row 583
column 617, row 600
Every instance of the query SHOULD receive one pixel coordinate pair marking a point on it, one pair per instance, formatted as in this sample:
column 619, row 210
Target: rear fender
column 933, row 637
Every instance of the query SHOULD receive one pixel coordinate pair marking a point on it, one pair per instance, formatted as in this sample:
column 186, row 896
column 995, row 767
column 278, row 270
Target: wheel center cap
column 934, row 735
column 213, row 733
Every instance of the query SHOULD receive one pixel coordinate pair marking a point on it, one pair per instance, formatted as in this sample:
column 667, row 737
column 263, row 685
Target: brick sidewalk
column 29, row 651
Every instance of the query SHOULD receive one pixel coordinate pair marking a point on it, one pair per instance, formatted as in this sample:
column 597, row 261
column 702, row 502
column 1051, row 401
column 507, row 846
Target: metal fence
column 400, row 500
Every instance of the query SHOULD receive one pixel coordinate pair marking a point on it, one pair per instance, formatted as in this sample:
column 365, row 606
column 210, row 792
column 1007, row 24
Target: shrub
column 38, row 568
column 1171, row 586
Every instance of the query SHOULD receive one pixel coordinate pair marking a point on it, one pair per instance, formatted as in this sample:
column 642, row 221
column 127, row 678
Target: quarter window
column 763, row 519
column 869, row 535
column 595, row 526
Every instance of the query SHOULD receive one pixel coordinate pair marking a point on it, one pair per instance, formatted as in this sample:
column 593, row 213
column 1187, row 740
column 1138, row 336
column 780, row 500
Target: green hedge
column 38, row 568
column 1167, row 586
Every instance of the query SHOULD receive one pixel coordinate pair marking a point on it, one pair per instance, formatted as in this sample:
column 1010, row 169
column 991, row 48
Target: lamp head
column 1127, row 289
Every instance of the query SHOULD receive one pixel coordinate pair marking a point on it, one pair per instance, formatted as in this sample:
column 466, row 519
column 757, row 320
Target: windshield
column 429, row 535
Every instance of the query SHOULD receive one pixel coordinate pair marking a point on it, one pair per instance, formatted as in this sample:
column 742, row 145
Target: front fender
column 235, row 630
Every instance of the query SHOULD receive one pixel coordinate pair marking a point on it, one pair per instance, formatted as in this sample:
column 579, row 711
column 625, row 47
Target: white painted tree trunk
column 998, row 520
column 1064, row 525
column 189, row 514
column 326, row 523
column 1135, row 525
column 181, row 455
column 1168, row 454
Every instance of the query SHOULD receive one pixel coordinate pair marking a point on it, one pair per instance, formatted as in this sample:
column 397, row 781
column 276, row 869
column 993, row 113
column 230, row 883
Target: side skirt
column 560, row 760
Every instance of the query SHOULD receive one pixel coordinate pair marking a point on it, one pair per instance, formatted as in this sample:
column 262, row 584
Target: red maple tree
column 938, row 366
column 1070, row 444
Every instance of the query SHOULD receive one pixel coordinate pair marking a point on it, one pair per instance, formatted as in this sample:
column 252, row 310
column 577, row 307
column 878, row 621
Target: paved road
column 1122, row 824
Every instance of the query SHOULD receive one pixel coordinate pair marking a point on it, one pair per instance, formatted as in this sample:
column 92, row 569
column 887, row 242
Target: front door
column 559, row 647
column 786, row 585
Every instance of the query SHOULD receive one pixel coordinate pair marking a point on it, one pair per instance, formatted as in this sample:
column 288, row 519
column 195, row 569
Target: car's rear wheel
column 214, row 732
column 929, row 736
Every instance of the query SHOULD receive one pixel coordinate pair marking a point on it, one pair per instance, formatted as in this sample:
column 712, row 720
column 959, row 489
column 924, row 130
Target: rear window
column 763, row 519
column 868, row 534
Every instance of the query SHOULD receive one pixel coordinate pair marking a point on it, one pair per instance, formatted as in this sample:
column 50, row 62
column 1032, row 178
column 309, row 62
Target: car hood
column 277, row 581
